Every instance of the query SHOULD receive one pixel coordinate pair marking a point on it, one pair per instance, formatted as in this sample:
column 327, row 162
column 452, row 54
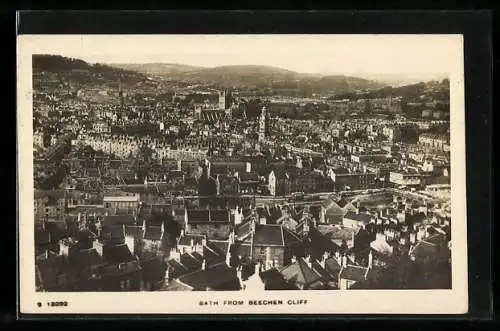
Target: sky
column 318, row 54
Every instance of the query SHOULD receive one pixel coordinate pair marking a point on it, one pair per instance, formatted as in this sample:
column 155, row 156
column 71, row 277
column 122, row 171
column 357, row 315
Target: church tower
column 222, row 100
column 262, row 124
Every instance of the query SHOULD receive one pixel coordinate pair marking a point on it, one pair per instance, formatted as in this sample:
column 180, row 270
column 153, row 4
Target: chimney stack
column 308, row 260
column 167, row 274
column 203, row 265
column 338, row 258
column 228, row 258
column 323, row 260
column 257, row 268
column 344, row 261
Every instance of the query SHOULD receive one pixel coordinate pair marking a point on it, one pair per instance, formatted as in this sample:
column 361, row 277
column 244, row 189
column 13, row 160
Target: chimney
column 307, row 259
column 167, row 274
column 338, row 258
column 413, row 238
column 257, row 268
column 228, row 257
column 203, row 265
column 352, row 257
column 294, row 259
column 323, row 260
column 306, row 228
column 344, row 261
column 192, row 243
column 238, row 274
column 175, row 254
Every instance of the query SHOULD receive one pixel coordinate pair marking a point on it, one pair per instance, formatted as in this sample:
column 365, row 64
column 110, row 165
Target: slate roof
column 300, row 273
column 211, row 278
column 114, row 269
column 134, row 231
column 323, row 272
column 219, row 246
column 176, row 268
column 317, row 244
column 341, row 233
column 355, row 273
column 361, row 217
column 332, row 266
column 198, row 216
column 48, row 271
column 175, row 285
column 342, row 202
column 274, row 280
column 424, row 249
column 115, row 254
column 190, row 262
column 268, row 235
column 85, row 259
column 219, row 216
column 243, row 230
column 153, row 233
column 186, row 240
column 112, row 220
column 249, row 176
column 243, row 249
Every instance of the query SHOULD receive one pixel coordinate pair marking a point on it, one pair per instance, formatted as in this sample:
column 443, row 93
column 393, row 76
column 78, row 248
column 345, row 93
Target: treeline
column 61, row 64
column 408, row 92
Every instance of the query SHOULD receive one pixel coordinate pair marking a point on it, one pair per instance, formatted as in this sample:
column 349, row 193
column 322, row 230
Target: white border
column 453, row 301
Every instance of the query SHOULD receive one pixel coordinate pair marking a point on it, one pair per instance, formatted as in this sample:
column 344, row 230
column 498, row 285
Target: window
column 122, row 284
column 262, row 250
column 128, row 285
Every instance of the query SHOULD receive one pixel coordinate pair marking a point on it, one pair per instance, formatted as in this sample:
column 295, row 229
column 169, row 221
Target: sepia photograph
column 264, row 173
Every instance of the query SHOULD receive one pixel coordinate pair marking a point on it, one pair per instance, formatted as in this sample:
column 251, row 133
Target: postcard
column 241, row 174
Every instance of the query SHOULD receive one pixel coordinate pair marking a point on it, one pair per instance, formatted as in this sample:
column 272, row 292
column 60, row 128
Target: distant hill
column 157, row 69
column 77, row 67
column 405, row 78
column 413, row 92
column 252, row 76
column 240, row 76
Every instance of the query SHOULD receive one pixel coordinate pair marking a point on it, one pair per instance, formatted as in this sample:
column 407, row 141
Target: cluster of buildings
column 212, row 198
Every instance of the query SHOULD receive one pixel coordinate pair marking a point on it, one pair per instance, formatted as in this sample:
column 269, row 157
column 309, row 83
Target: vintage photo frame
column 373, row 301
